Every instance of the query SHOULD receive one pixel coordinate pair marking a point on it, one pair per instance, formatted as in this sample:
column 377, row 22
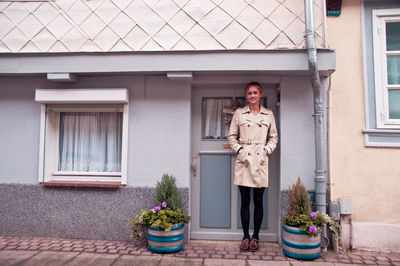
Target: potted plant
column 162, row 225
column 301, row 237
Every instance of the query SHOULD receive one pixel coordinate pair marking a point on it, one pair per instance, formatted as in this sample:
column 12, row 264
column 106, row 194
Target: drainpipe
column 320, row 113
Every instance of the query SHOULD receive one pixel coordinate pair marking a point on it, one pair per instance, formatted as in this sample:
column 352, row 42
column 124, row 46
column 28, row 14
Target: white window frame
column 78, row 100
column 380, row 17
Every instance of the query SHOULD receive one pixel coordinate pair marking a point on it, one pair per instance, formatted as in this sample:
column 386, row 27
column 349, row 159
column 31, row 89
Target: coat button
column 258, row 153
column 249, row 154
column 248, row 125
column 259, row 125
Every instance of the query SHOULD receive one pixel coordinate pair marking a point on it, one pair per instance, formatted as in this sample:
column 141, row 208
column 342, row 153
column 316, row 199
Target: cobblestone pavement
column 55, row 251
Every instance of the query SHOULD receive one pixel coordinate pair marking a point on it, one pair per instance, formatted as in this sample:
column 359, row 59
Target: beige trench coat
column 257, row 136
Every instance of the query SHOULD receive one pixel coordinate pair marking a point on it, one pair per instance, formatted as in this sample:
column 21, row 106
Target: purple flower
column 313, row 229
column 157, row 208
column 314, row 215
column 164, row 204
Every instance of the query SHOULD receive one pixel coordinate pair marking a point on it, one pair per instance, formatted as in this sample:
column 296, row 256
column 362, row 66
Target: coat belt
column 251, row 141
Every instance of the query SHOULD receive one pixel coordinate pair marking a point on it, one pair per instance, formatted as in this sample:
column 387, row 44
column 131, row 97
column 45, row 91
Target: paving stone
column 224, row 262
column 261, row 263
column 135, row 252
column 314, row 263
column 147, row 253
column 278, row 258
column 354, row 256
column 51, row 258
column 93, row 259
column 180, row 261
column 14, row 257
column 383, row 262
column 266, row 257
column 369, row 262
column 394, row 258
column 112, row 251
column 331, row 259
column 382, row 258
column 123, row 252
column 138, row 260
column 367, row 257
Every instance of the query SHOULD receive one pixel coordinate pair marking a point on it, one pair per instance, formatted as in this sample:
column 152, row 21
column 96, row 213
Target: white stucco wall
column 159, row 139
column 297, row 132
column 159, row 127
column 19, row 131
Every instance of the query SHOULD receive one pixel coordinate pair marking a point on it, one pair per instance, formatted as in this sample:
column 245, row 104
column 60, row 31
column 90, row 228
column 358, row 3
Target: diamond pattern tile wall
column 155, row 25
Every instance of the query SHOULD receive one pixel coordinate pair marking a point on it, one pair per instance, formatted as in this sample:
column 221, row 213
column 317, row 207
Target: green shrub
column 166, row 191
column 299, row 201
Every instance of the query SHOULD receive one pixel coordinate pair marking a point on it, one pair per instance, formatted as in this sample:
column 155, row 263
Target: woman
column 253, row 136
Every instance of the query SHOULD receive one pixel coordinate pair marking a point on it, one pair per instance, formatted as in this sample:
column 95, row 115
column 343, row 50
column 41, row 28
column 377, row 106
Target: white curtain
column 213, row 118
column 90, row 141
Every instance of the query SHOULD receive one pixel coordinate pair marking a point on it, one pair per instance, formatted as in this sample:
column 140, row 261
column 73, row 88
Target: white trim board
column 282, row 61
column 77, row 96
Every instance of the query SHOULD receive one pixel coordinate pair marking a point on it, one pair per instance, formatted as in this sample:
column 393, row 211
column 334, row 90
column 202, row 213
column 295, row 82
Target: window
column 217, row 113
column 84, row 136
column 386, row 35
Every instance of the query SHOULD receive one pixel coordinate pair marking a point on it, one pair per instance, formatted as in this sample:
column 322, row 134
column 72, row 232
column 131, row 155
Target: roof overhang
column 283, row 61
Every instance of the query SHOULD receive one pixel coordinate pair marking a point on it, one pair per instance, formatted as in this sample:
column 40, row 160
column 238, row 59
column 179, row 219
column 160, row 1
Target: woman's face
column 253, row 95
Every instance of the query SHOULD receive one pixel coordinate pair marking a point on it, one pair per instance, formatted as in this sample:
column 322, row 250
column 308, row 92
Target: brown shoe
column 254, row 245
column 244, row 246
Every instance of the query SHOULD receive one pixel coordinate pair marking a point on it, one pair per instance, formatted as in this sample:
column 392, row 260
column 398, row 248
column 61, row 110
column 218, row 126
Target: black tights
column 245, row 210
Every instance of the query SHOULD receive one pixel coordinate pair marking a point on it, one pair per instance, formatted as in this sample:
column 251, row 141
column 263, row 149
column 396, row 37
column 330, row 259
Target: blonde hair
column 253, row 84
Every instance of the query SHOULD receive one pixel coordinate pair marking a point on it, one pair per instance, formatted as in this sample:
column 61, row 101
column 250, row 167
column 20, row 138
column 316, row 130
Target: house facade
column 148, row 87
column 364, row 121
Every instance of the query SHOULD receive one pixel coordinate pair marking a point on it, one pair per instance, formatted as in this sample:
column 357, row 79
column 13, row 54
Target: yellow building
column 364, row 124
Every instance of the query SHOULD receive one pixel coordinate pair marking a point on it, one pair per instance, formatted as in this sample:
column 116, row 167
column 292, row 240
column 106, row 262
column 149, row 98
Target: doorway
column 215, row 200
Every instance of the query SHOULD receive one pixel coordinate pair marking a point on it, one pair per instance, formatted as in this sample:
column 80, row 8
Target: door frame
column 234, row 233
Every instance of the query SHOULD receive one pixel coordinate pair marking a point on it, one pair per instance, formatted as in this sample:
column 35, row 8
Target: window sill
column 59, row 183
column 382, row 138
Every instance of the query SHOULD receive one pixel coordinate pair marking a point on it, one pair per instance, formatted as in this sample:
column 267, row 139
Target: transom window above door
column 83, row 137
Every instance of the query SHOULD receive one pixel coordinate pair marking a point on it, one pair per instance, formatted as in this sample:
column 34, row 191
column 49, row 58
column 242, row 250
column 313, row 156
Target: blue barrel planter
column 296, row 244
column 161, row 241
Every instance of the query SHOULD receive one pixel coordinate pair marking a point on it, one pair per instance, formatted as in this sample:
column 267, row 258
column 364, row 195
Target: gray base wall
column 84, row 213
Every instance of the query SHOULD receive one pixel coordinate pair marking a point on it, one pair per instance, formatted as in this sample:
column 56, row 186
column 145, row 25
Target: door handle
column 194, row 165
